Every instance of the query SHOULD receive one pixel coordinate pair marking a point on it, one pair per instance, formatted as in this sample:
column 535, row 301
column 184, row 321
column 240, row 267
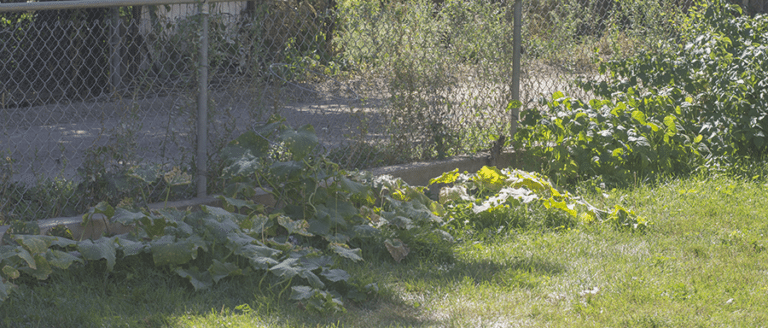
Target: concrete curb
column 417, row 174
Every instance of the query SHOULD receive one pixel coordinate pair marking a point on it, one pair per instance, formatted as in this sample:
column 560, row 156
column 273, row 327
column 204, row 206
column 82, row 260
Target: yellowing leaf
column 446, row 177
column 397, row 249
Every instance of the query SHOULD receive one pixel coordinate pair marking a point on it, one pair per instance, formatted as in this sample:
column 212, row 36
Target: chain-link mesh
column 93, row 101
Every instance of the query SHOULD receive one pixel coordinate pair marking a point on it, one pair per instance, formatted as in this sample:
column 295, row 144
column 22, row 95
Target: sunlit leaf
column 446, row 177
column 454, row 194
column 397, row 249
column 639, row 116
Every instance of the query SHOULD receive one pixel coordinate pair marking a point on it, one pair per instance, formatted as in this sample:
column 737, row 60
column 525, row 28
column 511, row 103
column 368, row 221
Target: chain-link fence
column 96, row 99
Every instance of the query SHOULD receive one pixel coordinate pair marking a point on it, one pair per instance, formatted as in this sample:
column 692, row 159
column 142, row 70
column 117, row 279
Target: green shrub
column 665, row 112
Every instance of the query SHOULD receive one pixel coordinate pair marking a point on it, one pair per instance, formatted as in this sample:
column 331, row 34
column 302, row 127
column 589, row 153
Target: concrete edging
column 418, row 174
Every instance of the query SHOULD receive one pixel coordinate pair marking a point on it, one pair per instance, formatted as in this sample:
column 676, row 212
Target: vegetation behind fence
column 100, row 104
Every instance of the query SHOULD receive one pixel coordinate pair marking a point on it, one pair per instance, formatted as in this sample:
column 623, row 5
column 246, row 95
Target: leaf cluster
column 698, row 98
column 512, row 198
column 321, row 217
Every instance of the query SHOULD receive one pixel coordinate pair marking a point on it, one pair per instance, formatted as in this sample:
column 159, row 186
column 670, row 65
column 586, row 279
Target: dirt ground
column 53, row 141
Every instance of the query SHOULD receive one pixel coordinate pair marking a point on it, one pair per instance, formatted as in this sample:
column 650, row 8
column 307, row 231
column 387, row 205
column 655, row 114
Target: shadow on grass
column 136, row 294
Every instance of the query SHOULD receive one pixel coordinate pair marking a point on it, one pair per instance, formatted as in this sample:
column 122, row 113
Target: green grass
column 702, row 263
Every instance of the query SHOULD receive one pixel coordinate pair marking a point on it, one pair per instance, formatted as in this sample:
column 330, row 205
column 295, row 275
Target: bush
column 669, row 111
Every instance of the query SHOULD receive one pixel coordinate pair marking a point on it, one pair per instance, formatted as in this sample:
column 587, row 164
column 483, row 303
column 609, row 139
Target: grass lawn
column 703, row 263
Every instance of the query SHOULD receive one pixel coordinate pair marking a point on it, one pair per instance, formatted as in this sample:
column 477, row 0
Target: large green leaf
column 286, row 171
column 353, row 186
column 313, row 279
column 259, row 256
column 300, row 142
column 287, row 269
column 639, row 116
column 103, row 248
column 298, row 227
column 446, row 177
column 345, row 251
column 364, row 230
column 335, row 275
column 245, row 153
column 146, row 173
column 200, row 280
column 261, row 223
column 130, row 247
column 42, row 268
column 5, row 289
column 61, row 260
column 10, row 272
column 344, row 208
column 315, row 262
column 220, row 270
column 330, row 216
column 248, row 144
column 35, row 244
column 237, row 239
column 23, row 254
column 301, row 292
column 169, row 251
column 100, row 208
column 127, row 217
column 154, row 225
column 239, row 203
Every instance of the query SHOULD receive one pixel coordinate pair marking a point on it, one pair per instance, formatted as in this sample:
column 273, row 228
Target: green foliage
column 511, row 198
column 663, row 112
column 424, row 54
column 322, row 217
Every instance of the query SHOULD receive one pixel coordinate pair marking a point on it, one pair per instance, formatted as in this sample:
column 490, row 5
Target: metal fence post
column 202, row 103
column 516, row 48
column 114, row 42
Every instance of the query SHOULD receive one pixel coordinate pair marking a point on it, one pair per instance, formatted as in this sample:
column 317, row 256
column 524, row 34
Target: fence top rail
column 83, row 4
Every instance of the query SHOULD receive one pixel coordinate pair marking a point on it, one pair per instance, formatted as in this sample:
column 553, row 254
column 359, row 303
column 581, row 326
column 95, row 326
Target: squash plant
column 322, row 216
